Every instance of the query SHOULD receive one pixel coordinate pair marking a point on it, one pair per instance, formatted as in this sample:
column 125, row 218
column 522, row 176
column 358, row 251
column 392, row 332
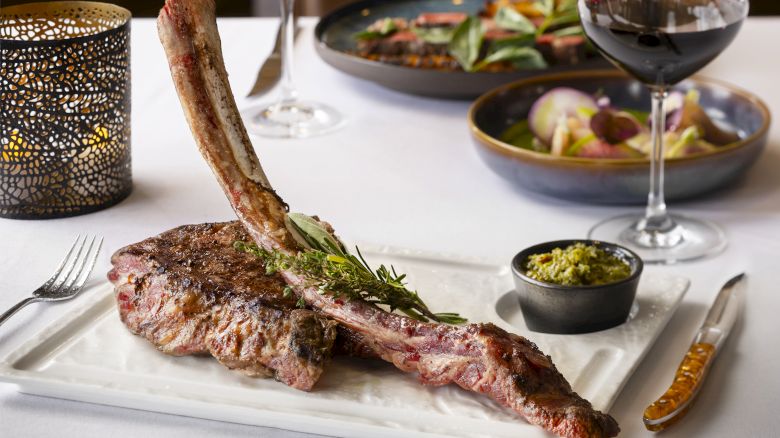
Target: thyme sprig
column 334, row 271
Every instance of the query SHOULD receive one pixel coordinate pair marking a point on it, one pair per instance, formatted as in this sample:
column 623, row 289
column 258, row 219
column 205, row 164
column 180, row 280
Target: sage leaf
column 566, row 5
column 521, row 57
column 434, row 35
column 527, row 40
column 466, row 42
column 367, row 35
column 315, row 234
column 565, row 19
column 569, row 31
column 545, row 7
column 387, row 27
column 510, row 19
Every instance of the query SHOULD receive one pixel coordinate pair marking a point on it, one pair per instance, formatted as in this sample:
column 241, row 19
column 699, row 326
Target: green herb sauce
column 577, row 265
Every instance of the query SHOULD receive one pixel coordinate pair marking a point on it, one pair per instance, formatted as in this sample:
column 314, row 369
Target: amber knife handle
column 676, row 401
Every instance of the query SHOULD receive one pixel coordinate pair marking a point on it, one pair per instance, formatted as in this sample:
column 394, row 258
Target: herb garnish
column 385, row 28
column 465, row 41
column 327, row 265
column 564, row 16
column 434, row 35
column 466, row 44
column 510, row 19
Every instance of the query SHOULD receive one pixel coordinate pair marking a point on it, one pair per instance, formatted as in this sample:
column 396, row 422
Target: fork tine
column 57, row 287
column 88, row 268
column 62, row 264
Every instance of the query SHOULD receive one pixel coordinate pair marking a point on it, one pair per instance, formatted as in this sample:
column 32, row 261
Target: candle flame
column 14, row 148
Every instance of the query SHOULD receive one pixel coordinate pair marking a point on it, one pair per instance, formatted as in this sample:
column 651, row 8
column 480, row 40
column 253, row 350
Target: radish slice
column 552, row 105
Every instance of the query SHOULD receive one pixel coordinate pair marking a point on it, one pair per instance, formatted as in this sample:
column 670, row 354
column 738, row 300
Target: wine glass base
column 298, row 119
column 688, row 239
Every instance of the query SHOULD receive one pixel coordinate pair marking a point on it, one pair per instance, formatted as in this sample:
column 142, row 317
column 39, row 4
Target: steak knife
column 676, row 401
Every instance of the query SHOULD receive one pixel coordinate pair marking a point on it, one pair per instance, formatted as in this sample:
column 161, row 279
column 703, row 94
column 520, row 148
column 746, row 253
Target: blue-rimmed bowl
column 616, row 181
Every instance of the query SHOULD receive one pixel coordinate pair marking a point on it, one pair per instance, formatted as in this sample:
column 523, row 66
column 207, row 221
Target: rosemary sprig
column 334, row 271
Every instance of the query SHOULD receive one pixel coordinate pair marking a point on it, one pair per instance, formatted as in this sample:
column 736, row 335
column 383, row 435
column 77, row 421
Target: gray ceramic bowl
column 616, row 181
column 335, row 40
column 553, row 308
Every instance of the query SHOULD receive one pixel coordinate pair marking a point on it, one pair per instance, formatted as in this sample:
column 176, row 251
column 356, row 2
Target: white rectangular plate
column 90, row 356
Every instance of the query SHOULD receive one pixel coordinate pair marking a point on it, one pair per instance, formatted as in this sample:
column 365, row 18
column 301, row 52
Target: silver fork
column 69, row 278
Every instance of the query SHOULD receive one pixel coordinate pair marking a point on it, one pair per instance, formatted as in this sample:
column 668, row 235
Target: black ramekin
column 553, row 308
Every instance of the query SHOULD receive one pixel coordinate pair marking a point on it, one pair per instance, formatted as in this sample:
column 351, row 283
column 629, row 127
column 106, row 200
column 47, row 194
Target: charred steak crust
column 352, row 343
column 189, row 292
column 477, row 357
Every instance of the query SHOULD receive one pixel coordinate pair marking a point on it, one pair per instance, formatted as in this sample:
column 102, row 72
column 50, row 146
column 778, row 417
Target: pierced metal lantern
column 64, row 108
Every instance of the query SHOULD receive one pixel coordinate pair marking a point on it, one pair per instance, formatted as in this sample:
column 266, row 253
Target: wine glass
column 661, row 42
column 289, row 117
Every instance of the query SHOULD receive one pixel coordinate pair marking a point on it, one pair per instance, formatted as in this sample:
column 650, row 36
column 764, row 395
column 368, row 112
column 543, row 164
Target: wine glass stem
column 288, row 91
column 656, row 217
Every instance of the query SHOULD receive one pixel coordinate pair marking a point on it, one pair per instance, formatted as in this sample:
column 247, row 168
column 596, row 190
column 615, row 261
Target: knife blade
column 271, row 70
column 688, row 379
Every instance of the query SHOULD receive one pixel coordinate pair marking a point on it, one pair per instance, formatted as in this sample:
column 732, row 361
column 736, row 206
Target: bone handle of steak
column 188, row 32
column 520, row 377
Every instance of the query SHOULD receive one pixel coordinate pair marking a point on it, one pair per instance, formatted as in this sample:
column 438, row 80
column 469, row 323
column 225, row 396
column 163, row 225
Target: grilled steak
column 188, row 291
column 478, row 357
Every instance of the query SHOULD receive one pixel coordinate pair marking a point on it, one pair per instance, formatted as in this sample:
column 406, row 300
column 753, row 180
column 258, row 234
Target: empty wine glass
column 661, row 42
column 289, row 117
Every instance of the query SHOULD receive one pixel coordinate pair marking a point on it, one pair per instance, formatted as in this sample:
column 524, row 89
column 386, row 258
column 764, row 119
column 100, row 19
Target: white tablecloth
column 404, row 172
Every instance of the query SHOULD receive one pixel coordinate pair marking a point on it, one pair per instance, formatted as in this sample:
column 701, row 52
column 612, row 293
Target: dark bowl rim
column 490, row 142
column 609, row 246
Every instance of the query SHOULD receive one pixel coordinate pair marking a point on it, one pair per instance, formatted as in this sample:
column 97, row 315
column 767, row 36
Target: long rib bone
column 188, row 32
column 478, row 357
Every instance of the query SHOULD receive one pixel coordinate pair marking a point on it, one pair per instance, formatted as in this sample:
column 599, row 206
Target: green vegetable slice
column 519, row 134
column 574, row 149
column 687, row 138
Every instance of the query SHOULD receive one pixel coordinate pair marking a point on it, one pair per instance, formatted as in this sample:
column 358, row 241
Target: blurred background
column 259, row 8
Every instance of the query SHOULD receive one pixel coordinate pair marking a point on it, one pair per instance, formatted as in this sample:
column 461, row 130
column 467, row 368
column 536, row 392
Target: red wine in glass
column 663, row 46
column 660, row 43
